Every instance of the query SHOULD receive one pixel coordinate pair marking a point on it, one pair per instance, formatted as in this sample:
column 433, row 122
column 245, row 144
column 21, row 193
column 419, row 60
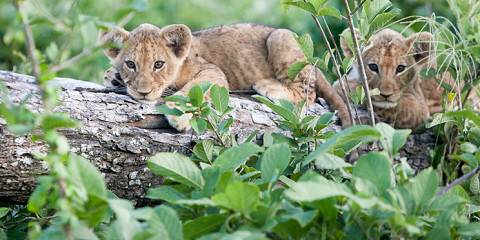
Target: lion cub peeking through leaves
column 149, row 59
column 393, row 64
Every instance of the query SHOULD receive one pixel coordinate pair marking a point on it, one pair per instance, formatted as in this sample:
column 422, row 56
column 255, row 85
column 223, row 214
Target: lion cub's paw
column 112, row 79
column 271, row 90
column 180, row 123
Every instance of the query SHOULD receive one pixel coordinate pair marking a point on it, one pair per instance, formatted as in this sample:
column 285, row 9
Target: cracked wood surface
column 119, row 134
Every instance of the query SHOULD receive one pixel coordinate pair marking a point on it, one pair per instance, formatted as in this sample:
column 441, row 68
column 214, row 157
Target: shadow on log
column 119, row 134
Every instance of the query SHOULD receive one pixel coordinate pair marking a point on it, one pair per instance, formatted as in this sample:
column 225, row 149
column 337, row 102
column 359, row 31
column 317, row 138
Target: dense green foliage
column 292, row 185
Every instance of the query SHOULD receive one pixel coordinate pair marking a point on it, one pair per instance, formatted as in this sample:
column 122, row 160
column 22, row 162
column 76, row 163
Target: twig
column 458, row 181
column 337, row 68
column 30, row 44
column 358, row 54
column 358, row 7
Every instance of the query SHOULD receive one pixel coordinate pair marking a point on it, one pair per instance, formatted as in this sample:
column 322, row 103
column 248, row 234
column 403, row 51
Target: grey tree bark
column 119, row 134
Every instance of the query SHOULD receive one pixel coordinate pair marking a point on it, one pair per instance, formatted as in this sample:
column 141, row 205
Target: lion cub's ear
column 179, row 39
column 113, row 40
column 346, row 42
column 421, row 46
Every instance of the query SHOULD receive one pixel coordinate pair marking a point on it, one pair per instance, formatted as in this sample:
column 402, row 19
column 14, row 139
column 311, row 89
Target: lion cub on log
column 149, row 59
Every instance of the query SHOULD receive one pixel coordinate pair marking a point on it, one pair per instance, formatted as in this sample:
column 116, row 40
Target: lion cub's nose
column 144, row 92
column 386, row 95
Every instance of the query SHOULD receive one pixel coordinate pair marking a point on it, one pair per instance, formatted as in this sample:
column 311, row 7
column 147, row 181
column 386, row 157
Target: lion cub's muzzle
column 385, row 100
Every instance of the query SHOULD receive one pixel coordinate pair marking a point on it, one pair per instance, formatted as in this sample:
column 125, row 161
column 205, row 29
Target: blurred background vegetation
column 63, row 29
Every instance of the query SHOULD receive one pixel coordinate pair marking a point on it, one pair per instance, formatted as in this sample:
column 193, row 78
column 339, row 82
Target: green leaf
column 424, row 187
column 202, row 225
column 466, row 114
column 302, row 5
column 329, row 11
column 295, row 69
column 170, row 221
column 196, row 95
column 85, row 173
column 125, row 225
column 178, row 167
column 4, row 211
column 236, row 156
column 274, row 161
column 220, row 98
column 240, row 197
column 376, row 168
column 282, row 111
column 38, row 199
column 306, row 44
column 330, row 161
column 469, row 230
column 199, row 125
column 204, row 150
column 392, row 140
column 358, row 133
column 165, row 110
column 315, row 189
column 166, row 193
column 382, row 20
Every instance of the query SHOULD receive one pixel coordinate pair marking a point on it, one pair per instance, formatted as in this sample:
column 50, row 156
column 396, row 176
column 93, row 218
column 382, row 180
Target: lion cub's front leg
column 112, row 79
column 209, row 73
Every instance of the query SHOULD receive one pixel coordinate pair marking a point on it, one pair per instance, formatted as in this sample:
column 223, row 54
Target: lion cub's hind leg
column 283, row 51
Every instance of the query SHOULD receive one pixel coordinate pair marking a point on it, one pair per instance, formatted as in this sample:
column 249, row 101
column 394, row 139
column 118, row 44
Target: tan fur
column 405, row 100
column 241, row 56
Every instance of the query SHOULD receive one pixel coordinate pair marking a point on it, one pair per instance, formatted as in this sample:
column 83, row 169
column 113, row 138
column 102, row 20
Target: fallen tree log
column 119, row 134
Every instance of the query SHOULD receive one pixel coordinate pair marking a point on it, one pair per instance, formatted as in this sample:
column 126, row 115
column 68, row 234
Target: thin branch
column 337, row 68
column 358, row 7
column 358, row 54
column 30, row 44
column 458, row 181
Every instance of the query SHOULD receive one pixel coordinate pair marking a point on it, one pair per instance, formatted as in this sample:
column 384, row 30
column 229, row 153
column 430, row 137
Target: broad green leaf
column 315, row 189
column 274, row 161
column 469, row 230
column 282, row 111
column 202, row 225
column 301, row 4
column 236, row 156
column 165, row 110
column 376, row 168
column 85, row 173
column 220, row 98
column 238, row 235
column 4, row 211
column 330, row 161
column 306, row 44
column 329, row 11
column 424, row 187
column 392, row 140
column 199, row 125
column 295, row 69
column 196, row 95
column 166, row 193
column 38, row 199
column 204, row 150
column 240, row 197
column 382, row 20
column 178, row 167
column 125, row 225
column 466, row 114
column 359, row 133
column 57, row 120
column 170, row 221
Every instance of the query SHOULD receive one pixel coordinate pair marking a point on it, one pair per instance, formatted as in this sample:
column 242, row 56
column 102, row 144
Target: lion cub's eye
column 373, row 67
column 400, row 68
column 158, row 65
column 130, row 64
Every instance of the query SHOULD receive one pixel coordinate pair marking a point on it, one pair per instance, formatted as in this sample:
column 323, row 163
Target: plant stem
column 216, row 132
column 458, row 181
column 30, row 42
column 358, row 55
column 337, row 68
